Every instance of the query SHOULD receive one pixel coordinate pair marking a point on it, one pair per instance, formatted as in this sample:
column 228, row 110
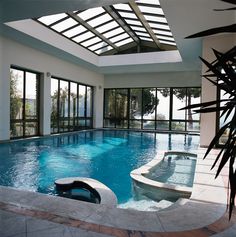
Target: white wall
column 162, row 79
column 17, row 54
column 221, row 43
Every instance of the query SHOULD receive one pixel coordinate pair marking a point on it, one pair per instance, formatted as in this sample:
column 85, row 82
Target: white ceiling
column 185, row 17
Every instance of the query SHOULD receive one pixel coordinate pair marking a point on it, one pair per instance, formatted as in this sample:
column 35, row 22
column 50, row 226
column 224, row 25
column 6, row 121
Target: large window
column 24, row 103
column 71, row 106
column 151, row 108
column 184, row 120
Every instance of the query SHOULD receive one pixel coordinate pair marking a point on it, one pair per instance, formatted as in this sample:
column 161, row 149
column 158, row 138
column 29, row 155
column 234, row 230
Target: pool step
column 180, row 202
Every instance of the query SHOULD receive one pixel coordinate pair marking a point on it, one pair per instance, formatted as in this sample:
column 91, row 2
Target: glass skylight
column 133, row 22
column 113, row 32
column 167, row 42
column 128, row 15
column 119, row 37
column 48, row 20
column 151, row 10
column 100, row 20
column 165, row 38
column 162, row 32
column 142, row 34
column 126, row 41
column 91, row 41
column 122, row 6
column 98, row 46
column 99, row 51
column 64, row 24
column 136, row 28
column 85, row 15
column 155, row 18
column 159, row 26
column 74, row 31
column 153, row 2
column 107, row 28
column 146, row 38
column 83, row 37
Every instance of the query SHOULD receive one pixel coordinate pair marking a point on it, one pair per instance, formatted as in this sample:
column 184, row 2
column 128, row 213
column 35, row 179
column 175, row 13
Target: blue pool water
column 108, row 156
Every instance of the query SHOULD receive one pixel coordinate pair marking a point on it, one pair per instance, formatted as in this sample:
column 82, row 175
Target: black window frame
column 75, row 126
column 24, row 120
column 106, row 120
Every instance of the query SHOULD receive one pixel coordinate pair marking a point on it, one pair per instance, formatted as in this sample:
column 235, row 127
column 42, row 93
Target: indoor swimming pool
column 105, row 155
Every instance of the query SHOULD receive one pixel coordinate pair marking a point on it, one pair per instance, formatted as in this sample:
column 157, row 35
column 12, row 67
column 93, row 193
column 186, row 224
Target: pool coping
column 206, row 206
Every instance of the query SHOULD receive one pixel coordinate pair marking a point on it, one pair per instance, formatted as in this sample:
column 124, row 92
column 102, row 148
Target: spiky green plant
column 222, row 74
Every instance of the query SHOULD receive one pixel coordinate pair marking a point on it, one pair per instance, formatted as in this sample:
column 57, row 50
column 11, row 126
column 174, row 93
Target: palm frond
column 222, row 74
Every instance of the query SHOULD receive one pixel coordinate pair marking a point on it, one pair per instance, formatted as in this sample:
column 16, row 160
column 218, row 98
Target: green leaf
column 216, row 139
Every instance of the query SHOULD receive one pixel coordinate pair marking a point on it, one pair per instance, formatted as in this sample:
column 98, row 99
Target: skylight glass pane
column 153, row 10
column 91, row 41
column 85, row 15
column 162, row 32
column 128, row 15
column 48, row 20
column 122, row 6
column 107, row 27
column 165, row 38
column 123, row 42
column 155, row 18
column 142, row 34
column 119, row 37
column 64, row 24
column 100, row 20
column 145, row 38
column 167, row 42
column 77, row 30
column 98, row 46
column 99, row 51
column 159, row 26
column 154, row 2
column 83, row 37
column 113, row 32
column 132, row 22
column 136, row 28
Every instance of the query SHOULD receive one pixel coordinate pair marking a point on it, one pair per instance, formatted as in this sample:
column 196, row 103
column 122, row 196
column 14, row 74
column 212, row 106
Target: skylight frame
column 123, row 20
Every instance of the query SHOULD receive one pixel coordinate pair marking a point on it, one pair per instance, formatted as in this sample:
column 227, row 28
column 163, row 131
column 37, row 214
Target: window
column 24, row 103
column 151, row 108
column 163, row 109
column 71, row 106
column 184, row 120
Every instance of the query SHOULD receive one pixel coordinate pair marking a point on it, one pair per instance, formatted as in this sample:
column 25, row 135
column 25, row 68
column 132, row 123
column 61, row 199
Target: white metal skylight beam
column 145, row 23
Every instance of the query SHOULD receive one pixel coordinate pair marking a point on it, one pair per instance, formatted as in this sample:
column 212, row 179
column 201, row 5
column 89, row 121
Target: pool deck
column 24, row 213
